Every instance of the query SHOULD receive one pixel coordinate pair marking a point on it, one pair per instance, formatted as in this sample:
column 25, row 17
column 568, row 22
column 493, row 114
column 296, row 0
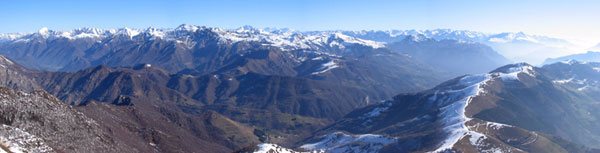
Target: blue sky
column 567, row 19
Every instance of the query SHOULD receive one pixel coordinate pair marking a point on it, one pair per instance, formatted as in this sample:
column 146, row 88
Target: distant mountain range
column 383, row 68
column 450, row 54
column 515, row 46
column 519, row 46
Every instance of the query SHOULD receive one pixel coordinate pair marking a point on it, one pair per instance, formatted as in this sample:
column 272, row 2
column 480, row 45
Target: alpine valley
column 204, row 89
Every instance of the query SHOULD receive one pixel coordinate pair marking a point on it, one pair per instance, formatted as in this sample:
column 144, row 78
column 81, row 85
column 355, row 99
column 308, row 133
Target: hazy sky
column 570, row 19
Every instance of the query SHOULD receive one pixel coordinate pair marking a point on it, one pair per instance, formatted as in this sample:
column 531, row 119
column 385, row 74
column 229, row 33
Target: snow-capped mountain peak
column 417, row 38
column 338, row 36
column 44, row 31
column 154, row 32
column 82, row 33
column 128, row 32
column 186, row 27
column 280, row 30
column 246, row 28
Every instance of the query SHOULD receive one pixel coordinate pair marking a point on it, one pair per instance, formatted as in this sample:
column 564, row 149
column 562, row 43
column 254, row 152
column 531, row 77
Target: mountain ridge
column 589, row 56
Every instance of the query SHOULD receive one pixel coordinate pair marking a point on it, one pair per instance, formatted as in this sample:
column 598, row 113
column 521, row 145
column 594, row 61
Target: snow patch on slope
column 326, row 67
column 580, row 85
column 583, row 88
column 497, row 126
column 375, row 112
column 6, row 60
column 563, row 81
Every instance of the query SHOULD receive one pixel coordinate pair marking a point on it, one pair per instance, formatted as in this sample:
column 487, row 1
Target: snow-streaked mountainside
column 452, row 102
column 506, row 110
column 578, row 75
column 516, row 46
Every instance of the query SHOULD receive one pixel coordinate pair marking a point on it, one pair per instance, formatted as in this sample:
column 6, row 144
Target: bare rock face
column 39, row 122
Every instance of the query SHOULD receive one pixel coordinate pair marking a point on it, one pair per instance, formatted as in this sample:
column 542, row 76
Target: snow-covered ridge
column 273, row 148
column 288, row 40
column 569, row 62
column 511, row 73
column 454, row 102
column 452, row 114
column 339, row 142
